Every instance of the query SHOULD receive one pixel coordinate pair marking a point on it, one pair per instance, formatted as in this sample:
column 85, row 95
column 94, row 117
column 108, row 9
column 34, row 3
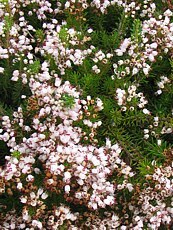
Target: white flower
column 109, row 200
column 67, row 4
column 151, row 57
column 40, row 191
column 1, row 69
column 29, row 178
column 57, row 82
column 90, row 31
column 23, row 199
column 146, row 111
column 67, row 176
column 65, row 138
column 135, row 71
column 153, row 45
column 32, row 195
column 67, row 188
column 30, row 56
column 161, row 85
column 95, row 161
column 159, row 92
column 119, row 52
column 15, row 160
column 38, row 224
column 130, row 187
column 19, row 186
column 94, row 206
column 146, row 71
column 168, row 13
column 54, row 167
column 126, row 170
column 159, row 142
column 108, row 143
column 44, row 196
column 82, row 176
column 33, row 203
column 15, row 75
column 41, row 136
column 88, row 98
column 80, row 181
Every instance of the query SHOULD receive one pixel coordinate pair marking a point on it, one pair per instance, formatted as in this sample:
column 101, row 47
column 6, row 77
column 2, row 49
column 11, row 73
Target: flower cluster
column 155, row 200
column 131, row 100
column 161, row 84
column 86, row 114
column 56, row 146
column 51, row 220
column 152, row 41
column 101, row 59
column 57, row 44
column 147, row 8
column 157, row 129
column 89, row 118
column 80, row 171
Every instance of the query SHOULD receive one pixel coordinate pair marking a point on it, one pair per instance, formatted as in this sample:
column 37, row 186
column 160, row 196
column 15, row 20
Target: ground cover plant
column 86, row 114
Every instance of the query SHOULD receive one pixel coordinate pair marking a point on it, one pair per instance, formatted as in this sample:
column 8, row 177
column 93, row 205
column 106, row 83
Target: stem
column 121, row 28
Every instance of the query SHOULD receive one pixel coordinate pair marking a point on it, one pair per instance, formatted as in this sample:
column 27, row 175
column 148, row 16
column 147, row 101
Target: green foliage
column 8, row 23
column 34, row 67
column 39, row 35
column 4, row 1
column 68, row 101
column 123, row 127
column 63, row 34
column 155, row 151
column 16, row 154
column 145, row 167
column 136, row 31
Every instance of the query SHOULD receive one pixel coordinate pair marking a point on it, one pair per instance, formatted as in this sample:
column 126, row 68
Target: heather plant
column 86, row 115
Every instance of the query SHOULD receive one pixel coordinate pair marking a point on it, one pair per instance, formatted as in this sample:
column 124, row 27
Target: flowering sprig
column 74, row 141
column 131, row 99
column 54, row 144
column 155, row 200
column 155, row 34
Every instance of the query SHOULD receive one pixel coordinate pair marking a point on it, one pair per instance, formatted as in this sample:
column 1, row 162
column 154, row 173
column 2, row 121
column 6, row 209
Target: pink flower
column 65, row 138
